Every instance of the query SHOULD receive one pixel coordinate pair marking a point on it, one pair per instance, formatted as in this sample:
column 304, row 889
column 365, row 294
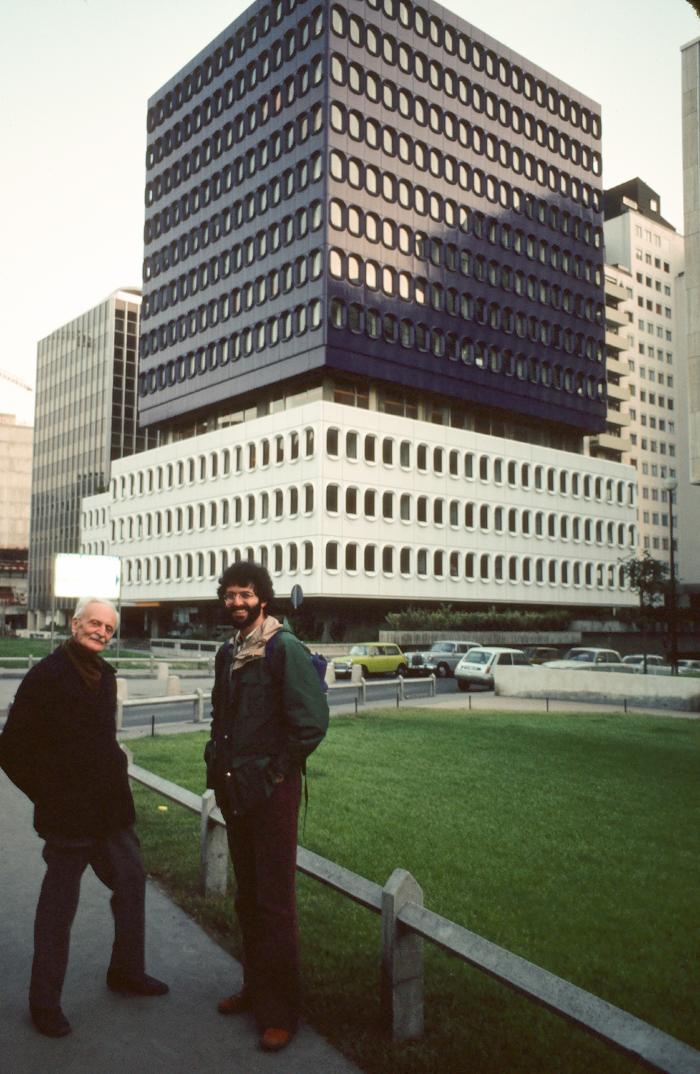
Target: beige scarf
column 252, row 647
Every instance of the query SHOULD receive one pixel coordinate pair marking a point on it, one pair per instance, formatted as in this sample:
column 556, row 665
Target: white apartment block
column 638, row 238
column 355, row 503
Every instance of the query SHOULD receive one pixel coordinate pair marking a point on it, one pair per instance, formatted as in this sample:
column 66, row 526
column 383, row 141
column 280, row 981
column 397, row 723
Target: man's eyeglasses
column 246, row 596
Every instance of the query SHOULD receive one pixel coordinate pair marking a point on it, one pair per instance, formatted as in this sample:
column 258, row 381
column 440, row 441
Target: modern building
column 614, row 442
column 685, row 493
column 639, row 238
column 689, row 416
column 374, row 323
column 690, row 55
column 15, row 495
column 85, row 419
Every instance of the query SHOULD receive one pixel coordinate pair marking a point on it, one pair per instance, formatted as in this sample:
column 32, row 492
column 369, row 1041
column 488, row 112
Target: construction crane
column 15, row 380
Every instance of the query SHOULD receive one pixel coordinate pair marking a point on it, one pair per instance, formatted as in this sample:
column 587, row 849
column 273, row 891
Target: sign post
column 87, row 576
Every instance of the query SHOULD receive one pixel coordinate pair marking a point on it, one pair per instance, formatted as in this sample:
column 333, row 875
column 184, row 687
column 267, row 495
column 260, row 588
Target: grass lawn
column 571, row 840
column 24, row 647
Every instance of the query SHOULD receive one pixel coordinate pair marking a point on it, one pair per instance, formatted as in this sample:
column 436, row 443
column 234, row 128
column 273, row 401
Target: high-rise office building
column 373, row 326
column 85, row 418
column 689, row 417
column 637, row 236
column 691, row 210
column 356, row 196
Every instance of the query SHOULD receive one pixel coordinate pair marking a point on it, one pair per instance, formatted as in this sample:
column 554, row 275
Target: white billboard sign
column 86, row 576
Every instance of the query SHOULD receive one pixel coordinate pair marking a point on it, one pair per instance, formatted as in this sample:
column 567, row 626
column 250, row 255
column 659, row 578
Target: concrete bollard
column 213, row 850
column 173, row 687
column 356, row 673
column 402, row 961
column 330, row 674
column 162, row 672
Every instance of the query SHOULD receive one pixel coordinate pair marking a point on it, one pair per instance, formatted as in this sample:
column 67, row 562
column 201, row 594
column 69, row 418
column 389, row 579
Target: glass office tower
column 85, row 418
column 373, row 196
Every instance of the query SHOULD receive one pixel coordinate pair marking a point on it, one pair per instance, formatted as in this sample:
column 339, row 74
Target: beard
column 243, row 615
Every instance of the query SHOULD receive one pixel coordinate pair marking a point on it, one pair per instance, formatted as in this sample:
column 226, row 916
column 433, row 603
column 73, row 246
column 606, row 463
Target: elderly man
column 59, row 746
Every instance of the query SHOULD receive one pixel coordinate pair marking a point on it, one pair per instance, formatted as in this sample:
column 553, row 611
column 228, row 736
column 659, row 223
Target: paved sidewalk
column 181, row 1033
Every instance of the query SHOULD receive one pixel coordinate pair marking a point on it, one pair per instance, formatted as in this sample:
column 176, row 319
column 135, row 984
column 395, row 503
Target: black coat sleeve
column 21, row 737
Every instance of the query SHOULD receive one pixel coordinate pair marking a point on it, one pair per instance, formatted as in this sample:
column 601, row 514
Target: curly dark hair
column 247, row 573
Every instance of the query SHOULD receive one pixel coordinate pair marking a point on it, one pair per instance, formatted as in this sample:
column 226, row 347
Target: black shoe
column 135, row 986
column 51, row 1021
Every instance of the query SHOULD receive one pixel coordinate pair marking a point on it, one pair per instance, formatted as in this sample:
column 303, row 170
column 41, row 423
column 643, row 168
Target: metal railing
column 151, row 663
column 406, row 923
column 197, row 698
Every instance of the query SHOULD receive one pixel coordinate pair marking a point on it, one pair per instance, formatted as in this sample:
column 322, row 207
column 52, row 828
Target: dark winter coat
column 59, row 746
column 267, row 717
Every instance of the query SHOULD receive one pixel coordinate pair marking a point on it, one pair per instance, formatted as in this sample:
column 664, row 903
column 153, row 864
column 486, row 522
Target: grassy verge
column 24, row 647
column 571, row 840
column 21, row 648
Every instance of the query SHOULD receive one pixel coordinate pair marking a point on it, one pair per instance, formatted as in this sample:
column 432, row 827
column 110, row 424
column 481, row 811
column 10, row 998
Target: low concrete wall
column 652, row 691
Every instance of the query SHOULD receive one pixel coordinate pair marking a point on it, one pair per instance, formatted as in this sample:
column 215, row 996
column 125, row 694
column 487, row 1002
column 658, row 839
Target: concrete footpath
column 180, row 1033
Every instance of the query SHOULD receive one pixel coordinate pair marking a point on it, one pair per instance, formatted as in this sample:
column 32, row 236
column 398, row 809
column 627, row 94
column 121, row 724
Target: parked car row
column 472, row 663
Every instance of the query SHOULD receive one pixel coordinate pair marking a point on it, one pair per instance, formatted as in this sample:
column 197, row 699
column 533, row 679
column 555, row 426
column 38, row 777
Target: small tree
column 648, row 577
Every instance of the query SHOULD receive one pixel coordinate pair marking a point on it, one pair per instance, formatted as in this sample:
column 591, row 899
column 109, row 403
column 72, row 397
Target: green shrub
column 447, row 618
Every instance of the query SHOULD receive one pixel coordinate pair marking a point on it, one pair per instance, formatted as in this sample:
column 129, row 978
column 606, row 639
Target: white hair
column 85, row 601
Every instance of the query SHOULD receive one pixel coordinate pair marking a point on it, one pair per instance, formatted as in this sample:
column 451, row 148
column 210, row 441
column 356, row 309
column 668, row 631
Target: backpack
column 320, row 664
column 317, row 659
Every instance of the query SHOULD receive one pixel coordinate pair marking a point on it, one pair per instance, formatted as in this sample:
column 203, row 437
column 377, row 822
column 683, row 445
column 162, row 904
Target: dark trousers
column 117, row 862
column 263, row 846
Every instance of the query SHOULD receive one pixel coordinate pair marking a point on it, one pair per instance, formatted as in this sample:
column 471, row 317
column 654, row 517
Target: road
column 378, row 692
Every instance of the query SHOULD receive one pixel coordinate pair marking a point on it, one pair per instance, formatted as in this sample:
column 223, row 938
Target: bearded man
column 269, row 714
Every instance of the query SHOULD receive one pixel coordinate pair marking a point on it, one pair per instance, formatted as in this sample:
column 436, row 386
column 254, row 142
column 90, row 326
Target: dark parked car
column 538, row 654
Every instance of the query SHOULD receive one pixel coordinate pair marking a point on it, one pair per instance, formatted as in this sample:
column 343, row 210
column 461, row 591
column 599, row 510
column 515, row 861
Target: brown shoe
column 274, row 1040
column 235, row 1004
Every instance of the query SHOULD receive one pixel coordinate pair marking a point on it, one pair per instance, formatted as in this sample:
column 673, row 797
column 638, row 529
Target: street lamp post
column 673, row 654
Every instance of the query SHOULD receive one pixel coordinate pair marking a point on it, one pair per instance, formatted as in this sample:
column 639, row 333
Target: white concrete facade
column 353, row 503
column 15, row 481
column 653, row 253
column 691, row 210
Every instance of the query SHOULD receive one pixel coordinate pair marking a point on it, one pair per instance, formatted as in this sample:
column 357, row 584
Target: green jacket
column 267, row 717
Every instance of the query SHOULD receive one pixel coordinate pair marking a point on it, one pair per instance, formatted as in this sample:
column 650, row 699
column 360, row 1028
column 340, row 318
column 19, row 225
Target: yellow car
column 375, row 658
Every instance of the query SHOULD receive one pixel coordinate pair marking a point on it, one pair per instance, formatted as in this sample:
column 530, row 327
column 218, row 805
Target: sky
column 76, row 75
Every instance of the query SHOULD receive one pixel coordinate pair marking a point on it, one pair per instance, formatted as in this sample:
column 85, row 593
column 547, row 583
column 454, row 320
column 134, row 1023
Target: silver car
column 441, row 659
column 584, row 657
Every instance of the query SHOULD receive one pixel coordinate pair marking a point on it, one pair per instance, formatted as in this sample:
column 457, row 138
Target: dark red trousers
column 263, row 846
